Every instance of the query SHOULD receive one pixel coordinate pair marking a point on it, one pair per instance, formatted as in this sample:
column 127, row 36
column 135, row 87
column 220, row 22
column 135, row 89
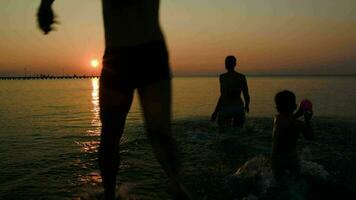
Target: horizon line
column 202, row 75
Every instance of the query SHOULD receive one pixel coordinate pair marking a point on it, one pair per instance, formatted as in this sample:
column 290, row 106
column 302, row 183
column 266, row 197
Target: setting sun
column 94, row 63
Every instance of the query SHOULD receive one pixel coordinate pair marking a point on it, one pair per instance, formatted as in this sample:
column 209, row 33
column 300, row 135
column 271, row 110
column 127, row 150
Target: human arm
column 308, row 132
column 305, row 127
column 246, row 95
column 216, row 111
column 299, row 113
column 45, row 16
column 218, row 105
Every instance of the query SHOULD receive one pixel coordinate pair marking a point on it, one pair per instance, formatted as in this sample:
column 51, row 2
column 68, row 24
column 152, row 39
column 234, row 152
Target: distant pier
column 44, row 77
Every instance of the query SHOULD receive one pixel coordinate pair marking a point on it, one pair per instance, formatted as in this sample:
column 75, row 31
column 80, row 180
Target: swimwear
column 232, row 110
column 232, row 114
column 128, row 68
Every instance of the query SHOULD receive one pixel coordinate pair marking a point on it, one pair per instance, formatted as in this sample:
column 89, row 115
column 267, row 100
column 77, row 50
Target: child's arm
column 308, row 132
column 299, row 113
column 305, row 127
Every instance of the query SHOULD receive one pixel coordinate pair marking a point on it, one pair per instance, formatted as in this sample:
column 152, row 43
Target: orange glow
column 94, row 63
column 267, row 37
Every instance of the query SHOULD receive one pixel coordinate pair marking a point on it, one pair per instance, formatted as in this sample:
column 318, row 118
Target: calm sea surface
column 49, row 128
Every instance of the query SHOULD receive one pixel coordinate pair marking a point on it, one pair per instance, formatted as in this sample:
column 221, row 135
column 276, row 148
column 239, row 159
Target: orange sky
column 273, row 36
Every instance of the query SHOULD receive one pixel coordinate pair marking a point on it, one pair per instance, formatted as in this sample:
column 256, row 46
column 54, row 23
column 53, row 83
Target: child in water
column 286, row 129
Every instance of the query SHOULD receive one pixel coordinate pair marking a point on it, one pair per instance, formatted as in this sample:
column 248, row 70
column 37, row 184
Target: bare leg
column 156, row 102
column 114, row 106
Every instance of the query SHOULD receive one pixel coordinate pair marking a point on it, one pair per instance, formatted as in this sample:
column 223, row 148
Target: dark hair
column 285, row 101
column 230, row 62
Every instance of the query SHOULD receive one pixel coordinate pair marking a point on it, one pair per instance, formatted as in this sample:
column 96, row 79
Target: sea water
column 49, row 131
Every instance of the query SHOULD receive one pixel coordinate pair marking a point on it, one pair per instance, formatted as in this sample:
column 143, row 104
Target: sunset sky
column 268, row 36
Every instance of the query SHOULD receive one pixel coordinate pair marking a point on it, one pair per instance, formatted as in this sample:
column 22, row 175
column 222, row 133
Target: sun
column 94, row 63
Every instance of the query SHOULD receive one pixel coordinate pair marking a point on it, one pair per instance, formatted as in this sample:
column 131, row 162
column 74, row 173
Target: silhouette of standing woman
column 230, row 109
column 135, row 57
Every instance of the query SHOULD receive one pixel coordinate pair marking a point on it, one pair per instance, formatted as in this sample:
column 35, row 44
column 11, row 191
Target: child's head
column 285, row 102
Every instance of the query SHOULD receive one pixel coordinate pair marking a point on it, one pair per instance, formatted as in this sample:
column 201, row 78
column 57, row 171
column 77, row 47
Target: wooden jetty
column 46, row 77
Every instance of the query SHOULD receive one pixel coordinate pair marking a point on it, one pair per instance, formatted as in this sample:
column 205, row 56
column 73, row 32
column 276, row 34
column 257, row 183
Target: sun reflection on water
column 89, row 147
column 95, row 122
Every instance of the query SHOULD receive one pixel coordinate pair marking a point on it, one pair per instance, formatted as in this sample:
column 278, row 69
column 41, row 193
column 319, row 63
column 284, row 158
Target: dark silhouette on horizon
column 230, row 109
column 135, row 57
column 286, row 130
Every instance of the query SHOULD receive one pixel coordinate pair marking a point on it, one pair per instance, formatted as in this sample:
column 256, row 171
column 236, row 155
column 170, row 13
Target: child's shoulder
column 283, row 120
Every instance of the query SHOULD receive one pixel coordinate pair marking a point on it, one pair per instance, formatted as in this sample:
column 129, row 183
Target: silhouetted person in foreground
column 230, row 109
column 286, row 129
column 135, row 57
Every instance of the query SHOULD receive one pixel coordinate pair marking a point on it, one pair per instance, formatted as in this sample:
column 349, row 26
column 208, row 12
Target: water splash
column 254, row 180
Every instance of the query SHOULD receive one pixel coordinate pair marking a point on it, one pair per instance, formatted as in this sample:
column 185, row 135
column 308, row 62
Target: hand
column 214, row 116
column 45, row 18
column 247, row 109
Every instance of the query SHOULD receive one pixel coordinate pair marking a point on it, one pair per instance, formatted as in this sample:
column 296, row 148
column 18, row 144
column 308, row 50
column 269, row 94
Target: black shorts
column 127, row 68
